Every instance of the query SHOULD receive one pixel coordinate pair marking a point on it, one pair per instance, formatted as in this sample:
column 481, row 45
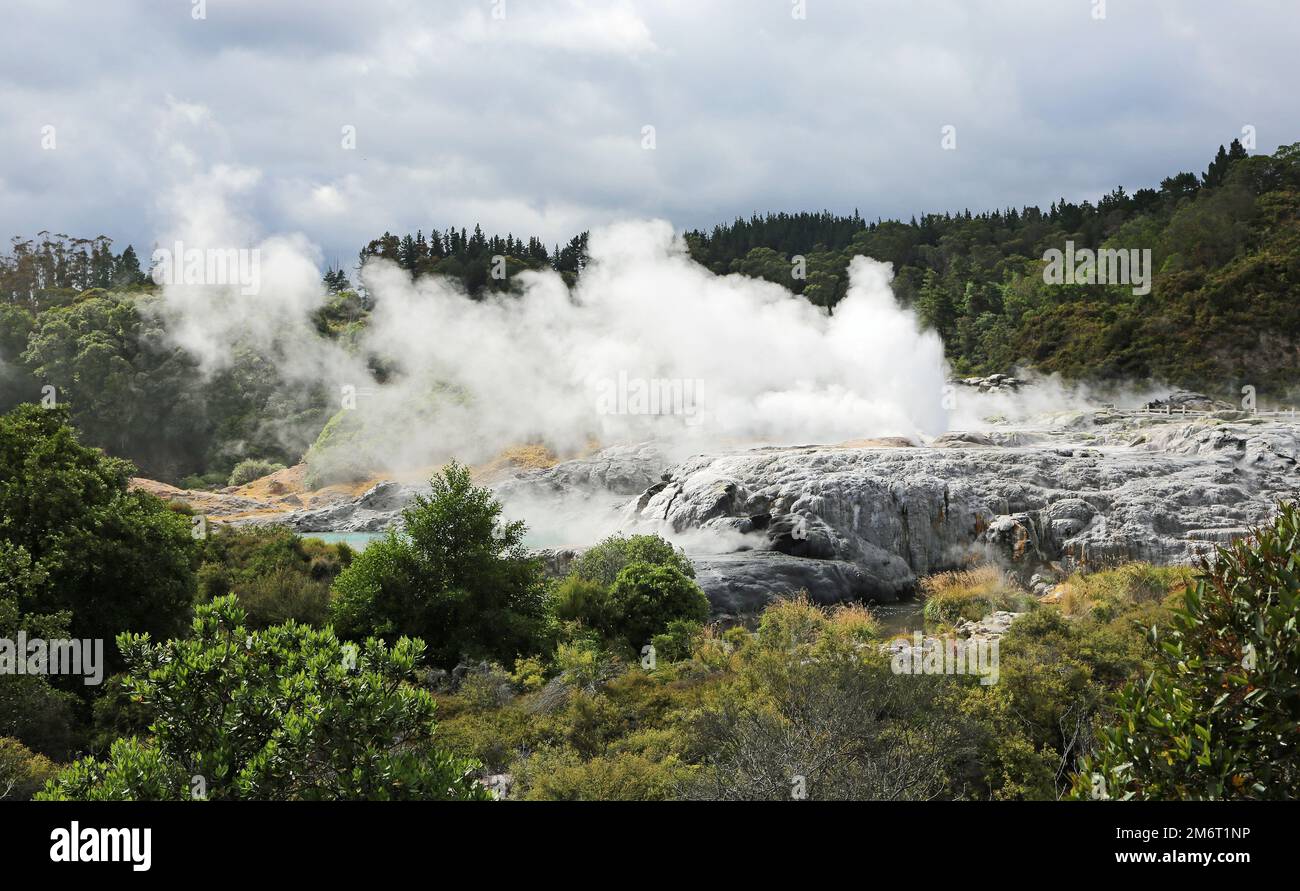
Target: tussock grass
column 970, row 594
column 1107, row 592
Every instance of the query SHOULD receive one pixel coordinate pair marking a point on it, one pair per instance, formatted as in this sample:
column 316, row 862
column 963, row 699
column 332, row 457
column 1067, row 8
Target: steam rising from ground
column 737, row 360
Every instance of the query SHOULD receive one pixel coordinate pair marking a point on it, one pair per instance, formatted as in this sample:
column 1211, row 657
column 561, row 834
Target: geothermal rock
column 621, row 470
column 994, row 383
column 1185, row 400
column 743, row 583
column 864, row 522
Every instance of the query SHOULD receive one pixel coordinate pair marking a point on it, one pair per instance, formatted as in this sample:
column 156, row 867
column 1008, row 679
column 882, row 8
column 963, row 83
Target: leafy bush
column 677, row 642
column 213, row 480
column 456, row 575
column 805, row 711
column 630, row 589
column 284, row 595
column 281, row 714
column 562, row 774
column 111, row 559
column 1216, row 718
column 529, row 674
column 276, row 574
column 583, row 600
column 645, row 598
column 603, row 563
column 1108, row 592
column 252, row 469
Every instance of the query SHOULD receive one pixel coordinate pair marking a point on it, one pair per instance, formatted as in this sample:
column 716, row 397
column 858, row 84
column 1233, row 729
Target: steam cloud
column 469, row 378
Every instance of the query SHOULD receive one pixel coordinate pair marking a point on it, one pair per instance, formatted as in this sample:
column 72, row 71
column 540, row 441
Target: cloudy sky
column 529, row 115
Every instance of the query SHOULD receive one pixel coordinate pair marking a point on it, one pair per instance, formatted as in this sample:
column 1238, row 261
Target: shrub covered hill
column 1221, row 311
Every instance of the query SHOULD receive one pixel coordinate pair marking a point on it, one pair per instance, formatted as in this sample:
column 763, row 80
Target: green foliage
column 529, row 674
column 677, row 642
column 581, row 600
column 1216, row 717
column 561, row 774
column 22, row 772
column 603, row 563
column 808, row 692
column 251, row 469
column 288, row 713
column 108, row 358
column 628, row 590
column 112, row 560
column 807, row 712
column 969, row 594
column 276, row 574
column 456, row 575
column 1108, row 593
column 39, row 715
column 645, row 598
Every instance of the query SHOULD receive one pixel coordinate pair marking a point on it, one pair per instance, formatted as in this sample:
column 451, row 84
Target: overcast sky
column 533, row 123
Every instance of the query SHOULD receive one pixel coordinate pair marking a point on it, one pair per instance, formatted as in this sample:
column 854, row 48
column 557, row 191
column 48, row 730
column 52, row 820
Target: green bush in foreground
column 1217, row 717
column 282, row 714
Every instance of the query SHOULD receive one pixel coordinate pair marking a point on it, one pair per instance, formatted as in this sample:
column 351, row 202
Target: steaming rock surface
column 853, row 522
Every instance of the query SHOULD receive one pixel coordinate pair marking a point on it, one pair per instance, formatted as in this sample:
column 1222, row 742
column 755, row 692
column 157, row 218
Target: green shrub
column 583, row 600
column 529, row 674
column 288, row 713
column 969, row 594
column 457, row 576
column 1109, row 592
column 561, row 774
column 283, row 595
column 22, row 772
column 213, row 480
column 602, row 563
column 676, row 643
column 276, row 575
column 1216, row 718
column 629, row 589
column 252, row 469
column 645, row 598
column 110, row 558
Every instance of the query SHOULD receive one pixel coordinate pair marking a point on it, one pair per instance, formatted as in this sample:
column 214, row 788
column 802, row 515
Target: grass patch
column 1107, row 593
column 970, row 594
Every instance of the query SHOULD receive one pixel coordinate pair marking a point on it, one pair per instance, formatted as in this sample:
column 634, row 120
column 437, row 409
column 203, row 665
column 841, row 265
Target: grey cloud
column 533, row 123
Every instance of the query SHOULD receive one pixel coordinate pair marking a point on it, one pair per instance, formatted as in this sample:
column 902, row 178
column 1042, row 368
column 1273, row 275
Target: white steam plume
column 546, row 363
column 765, row 366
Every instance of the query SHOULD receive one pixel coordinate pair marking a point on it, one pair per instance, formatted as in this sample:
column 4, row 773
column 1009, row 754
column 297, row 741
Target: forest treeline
column 1222, row 310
